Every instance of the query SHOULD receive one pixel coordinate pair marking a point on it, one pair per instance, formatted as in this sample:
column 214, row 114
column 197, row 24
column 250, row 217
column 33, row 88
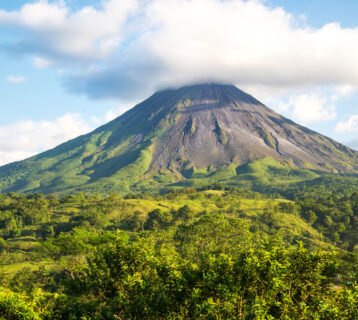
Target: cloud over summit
column 150, row 43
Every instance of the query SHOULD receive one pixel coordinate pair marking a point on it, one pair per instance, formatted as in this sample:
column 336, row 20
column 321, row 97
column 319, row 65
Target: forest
column 215, row 252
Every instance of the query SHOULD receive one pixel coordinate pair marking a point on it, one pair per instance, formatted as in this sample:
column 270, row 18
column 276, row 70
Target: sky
column 67, row 67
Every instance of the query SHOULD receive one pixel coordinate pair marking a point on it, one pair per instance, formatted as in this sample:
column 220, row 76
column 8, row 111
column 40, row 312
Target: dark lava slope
column 220, row 124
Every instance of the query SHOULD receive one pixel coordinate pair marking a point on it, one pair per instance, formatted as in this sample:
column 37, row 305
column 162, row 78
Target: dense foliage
column 214, row 253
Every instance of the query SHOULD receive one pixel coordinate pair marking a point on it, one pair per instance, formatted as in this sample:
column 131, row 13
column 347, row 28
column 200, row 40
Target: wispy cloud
column 16, row 79
column 26, row 138
column 308, row 107
column 112, row 113
column 353, row 144
column 41, row 63
column 349, row 125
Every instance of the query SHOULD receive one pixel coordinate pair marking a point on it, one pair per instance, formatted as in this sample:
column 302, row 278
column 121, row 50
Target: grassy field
column 266, row 216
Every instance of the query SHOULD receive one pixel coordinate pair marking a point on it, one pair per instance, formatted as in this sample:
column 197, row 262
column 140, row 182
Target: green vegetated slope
column 114, row 156
column 219, row 252
column 26, row 220
column 263, row 172
column 193, row 135
column 95, row 160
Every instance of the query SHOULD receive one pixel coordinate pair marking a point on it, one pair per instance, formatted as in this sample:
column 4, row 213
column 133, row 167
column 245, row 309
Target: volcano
column 208, row 132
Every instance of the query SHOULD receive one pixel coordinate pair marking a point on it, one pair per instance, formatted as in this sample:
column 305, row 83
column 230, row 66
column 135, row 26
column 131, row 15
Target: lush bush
column 146, row 280
column 217, row 253
column 14, row 306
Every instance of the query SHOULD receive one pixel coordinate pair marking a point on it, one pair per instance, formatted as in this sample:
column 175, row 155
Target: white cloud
column 113, row 113
column 350, row 125
column 353, row 144
column 41, row 63
column 346, row 90
column 26, row 138
column 59, row 33
column 248, row 43
column 240, row 42
column 308, row 107
column 16, row 79
column 156, row 43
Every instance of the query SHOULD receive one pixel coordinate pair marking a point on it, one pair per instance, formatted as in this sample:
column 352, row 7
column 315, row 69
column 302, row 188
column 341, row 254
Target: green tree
column 157, row 219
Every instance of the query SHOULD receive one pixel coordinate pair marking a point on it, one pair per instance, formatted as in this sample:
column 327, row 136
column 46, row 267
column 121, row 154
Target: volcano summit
column 206, row 132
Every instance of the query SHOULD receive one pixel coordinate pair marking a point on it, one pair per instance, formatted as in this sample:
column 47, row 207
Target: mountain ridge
column 174, row 135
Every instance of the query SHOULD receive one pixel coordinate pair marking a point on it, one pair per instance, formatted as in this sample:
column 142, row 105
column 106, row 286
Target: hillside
column 189, row 136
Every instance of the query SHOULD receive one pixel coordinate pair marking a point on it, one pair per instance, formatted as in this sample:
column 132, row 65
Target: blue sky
column 69, row 66
column 320, row 12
